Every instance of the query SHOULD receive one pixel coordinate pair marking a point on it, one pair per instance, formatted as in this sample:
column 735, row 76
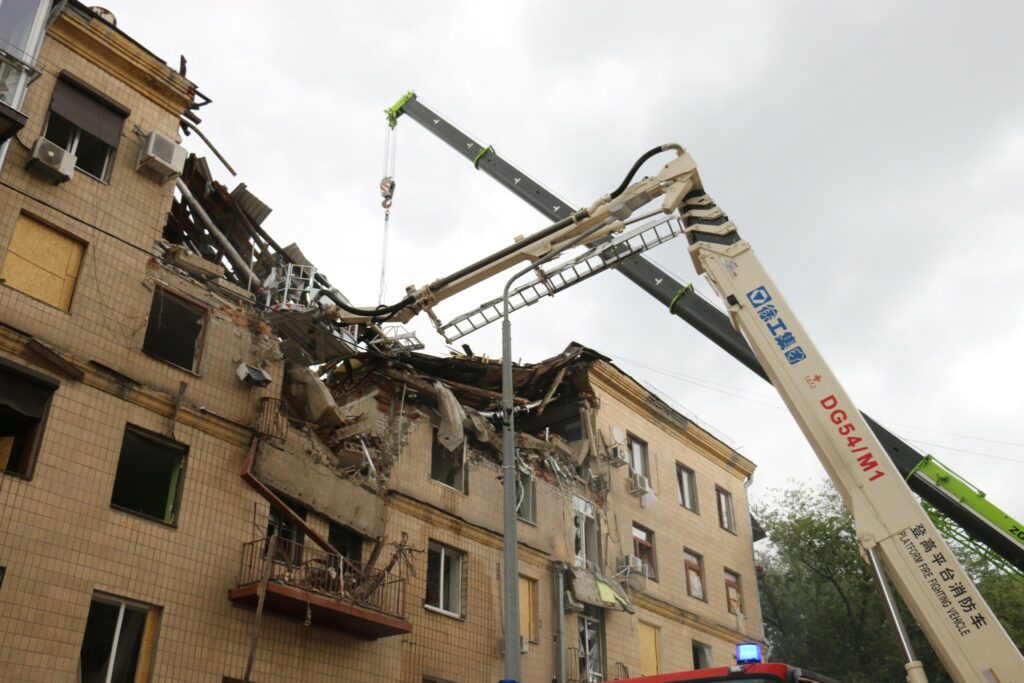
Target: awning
column 593, row 589
column 88, row 112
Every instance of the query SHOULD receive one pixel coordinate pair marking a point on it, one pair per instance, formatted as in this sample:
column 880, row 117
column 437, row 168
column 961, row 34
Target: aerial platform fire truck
column 872, row 469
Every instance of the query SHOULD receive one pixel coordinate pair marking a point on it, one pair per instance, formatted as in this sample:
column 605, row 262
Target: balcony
column 317, row 587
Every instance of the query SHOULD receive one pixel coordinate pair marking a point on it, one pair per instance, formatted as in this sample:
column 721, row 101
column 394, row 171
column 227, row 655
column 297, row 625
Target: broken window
column 149, row 475
column 733, row 592
column 86, row 125
column 42, row 263
column 527, row 495
column 119, row 641
column 529, row 627
column 725, row 516
column 701, row 655
column 444, row 579
column 586, row 534
column 694, row 565
column 650, row 649
column 591, row 650
column 638, row 456
column 24, row 403
column 175, row 329
column 449, row 467
column 687, row 481
column 643, row 547
column 289, row 535
column 346, row 541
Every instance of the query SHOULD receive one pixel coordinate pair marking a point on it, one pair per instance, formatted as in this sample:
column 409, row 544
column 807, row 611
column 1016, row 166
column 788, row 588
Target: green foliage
column 820, row 606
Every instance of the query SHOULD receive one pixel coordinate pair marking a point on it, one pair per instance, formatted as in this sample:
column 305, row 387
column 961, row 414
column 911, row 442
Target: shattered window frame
column 161, row 295
column 587, row 544
column 733, row 585
column 693, row 563
column 643, row 547
column 638, row 456
column 440, row 457
column 526, row 509
column 590, row 630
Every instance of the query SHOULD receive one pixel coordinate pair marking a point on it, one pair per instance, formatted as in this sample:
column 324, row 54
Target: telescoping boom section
column 890, row 524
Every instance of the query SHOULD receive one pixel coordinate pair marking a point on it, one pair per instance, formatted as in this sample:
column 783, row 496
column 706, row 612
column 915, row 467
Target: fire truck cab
column 749, row 673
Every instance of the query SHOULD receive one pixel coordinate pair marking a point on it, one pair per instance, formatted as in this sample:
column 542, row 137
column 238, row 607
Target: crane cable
column 387, row 193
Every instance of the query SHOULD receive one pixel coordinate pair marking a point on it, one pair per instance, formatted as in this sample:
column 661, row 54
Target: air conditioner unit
column 161, row 157
column 638, row 484
column 51, row 161
column 524, row 644
column 618, row 456
column 632, row 564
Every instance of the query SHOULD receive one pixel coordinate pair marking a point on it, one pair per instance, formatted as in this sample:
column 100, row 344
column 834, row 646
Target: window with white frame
column 694, row 566
column 726, row 520
column 638, row 456
column 733, row 592
column 687, row 481
column 526, row 504
column 444, row 579
column 86, row 125
column 586, row 541
column 119, row 641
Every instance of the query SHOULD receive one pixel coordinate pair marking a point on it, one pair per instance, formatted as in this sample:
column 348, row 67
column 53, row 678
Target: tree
column 820, row 605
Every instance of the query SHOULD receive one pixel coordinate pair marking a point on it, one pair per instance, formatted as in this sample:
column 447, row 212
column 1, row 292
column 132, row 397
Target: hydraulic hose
column 640, row 162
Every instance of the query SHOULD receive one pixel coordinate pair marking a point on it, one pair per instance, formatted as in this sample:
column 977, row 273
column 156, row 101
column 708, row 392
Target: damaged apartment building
column 206, row 476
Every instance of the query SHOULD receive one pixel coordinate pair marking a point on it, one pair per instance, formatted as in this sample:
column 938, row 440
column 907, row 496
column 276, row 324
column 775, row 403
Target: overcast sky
column 871, row 152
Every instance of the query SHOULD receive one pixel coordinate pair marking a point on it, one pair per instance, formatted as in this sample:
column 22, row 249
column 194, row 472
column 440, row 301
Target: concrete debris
column 449, row 432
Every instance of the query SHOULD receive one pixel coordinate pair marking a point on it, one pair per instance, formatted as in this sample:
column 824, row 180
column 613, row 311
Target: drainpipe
column 558, row 568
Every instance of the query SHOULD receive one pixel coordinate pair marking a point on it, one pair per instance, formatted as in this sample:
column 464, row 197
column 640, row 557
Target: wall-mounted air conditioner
column 638, row 484
column 618, row 456
column 51, row 161
column 161, row 157
column 632, row 571
column 572, row 605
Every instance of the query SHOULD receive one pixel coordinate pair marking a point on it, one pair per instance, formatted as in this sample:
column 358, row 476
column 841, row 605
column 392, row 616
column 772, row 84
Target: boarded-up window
column 650, row 654
column 175, row 330
column 43, row 263
column 528, row 626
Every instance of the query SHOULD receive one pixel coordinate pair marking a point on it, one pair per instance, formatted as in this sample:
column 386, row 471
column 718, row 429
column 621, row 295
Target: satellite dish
column 619, row 434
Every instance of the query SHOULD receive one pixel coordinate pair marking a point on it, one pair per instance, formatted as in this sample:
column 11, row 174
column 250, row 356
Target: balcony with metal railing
column 321, row 588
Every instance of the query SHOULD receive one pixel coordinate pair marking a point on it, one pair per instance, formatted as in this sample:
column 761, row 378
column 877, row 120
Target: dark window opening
column 346, row 541
column 118, row 642
column 175, row 330
column 701, row 655
column 290, row 536
column 149, row 474
column 562, row 419
column 449, row 467
column 3, row 573
column 24, row 403
column 85, row 125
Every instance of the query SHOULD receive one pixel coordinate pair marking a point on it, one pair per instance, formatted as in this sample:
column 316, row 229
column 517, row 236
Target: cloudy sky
column 872, row 153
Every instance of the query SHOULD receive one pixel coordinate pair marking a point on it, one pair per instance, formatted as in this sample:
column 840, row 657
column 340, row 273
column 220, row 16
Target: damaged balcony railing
column 314, row 570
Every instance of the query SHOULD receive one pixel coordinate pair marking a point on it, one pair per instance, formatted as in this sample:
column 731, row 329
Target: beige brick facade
column 62, row 542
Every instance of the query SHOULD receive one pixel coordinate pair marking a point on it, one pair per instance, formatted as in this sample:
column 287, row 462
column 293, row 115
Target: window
column 591, row 655
column 694, row 565
column 24, row 404
column 85, row 125
column 149, row 473
column 643, row 547
column 120, row 637
column 638, row 456
column 290, row 538
column 527, row 504
column 21, row 28
column 3, row 573
column 650, row 650
column 175, row 330
column 733, row 593
column 725, row 516
column 444, row 579
column 346, row 541
column 42, row 263
column 449, row 467
column 687, row 481
column 702, row 656
column 528, row 623
column 586, row 534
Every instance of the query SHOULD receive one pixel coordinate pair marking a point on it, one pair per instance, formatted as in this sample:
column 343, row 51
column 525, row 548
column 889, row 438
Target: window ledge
column 436, row 481
column 142, row 515
column 170, row 364
column 443, row 612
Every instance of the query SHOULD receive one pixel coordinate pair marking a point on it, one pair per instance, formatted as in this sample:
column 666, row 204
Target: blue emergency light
column 748, row 653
